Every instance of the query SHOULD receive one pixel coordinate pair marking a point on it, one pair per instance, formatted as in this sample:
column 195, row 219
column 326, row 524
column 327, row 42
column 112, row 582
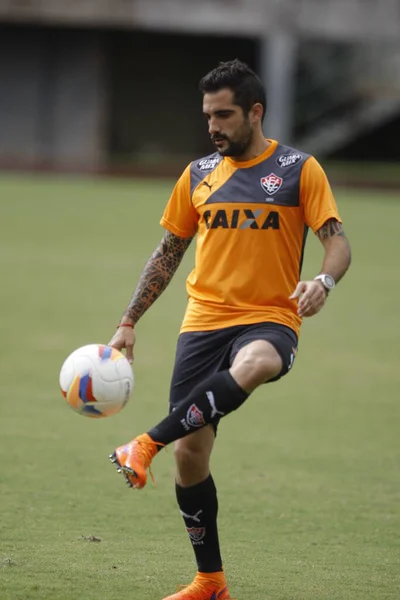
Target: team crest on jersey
column 208, row 164
column 195, row 417
column 196, row 534
column 287, row 160
column 271, row 184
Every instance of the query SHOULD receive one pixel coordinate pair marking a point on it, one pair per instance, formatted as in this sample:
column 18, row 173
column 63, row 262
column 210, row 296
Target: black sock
column 212, row 399
column 199, row 509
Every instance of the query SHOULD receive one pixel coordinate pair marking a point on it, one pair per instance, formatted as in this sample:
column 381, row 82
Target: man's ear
column 257, row 112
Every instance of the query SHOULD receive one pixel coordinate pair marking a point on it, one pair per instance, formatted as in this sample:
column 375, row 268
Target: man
column 250, row 205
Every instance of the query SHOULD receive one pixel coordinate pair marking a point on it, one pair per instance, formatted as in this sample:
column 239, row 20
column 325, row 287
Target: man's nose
column 213, row 126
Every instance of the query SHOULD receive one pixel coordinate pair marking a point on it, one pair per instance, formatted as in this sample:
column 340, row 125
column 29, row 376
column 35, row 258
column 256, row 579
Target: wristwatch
column 327, row 281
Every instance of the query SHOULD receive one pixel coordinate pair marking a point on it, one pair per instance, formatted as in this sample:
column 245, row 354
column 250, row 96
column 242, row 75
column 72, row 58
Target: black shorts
column 200, row 354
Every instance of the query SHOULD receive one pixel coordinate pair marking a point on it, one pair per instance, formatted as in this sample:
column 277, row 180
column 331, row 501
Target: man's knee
column 255, row 364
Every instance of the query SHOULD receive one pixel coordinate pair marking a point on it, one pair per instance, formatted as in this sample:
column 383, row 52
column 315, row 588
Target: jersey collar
column 254, row 161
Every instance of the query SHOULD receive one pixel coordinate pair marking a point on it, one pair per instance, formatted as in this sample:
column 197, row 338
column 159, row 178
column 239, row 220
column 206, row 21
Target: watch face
column 329, row 282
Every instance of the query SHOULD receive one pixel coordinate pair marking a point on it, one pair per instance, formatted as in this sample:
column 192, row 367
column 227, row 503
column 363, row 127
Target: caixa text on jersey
column 241, row 219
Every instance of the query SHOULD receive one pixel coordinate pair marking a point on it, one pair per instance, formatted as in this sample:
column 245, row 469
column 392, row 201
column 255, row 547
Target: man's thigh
column 199, row 355
column 282, row 338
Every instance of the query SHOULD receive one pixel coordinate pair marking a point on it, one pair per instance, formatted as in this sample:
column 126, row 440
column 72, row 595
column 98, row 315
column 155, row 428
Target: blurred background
column 111, row 85
column 99, row 114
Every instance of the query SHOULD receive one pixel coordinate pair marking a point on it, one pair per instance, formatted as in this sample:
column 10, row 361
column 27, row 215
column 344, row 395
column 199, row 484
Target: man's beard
column 235, row 148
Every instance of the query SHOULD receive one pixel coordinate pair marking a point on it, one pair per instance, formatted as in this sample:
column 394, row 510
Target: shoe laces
column 147, row 453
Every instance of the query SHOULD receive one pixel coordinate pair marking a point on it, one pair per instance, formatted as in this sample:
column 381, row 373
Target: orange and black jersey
column 251, row 220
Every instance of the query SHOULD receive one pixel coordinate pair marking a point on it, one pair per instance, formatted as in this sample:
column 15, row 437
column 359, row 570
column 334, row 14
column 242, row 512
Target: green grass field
column 307, row 470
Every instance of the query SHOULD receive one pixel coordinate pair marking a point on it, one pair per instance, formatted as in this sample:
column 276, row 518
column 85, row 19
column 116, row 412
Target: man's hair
column 246, row 86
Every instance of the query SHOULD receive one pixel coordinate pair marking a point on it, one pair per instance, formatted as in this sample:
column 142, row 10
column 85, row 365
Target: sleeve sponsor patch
column 287, row 160
column 208, row 164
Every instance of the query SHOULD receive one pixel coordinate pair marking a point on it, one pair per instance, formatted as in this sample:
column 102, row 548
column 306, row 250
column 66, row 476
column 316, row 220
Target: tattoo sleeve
column 330, row 228
column 337, row 249
column 157, row 274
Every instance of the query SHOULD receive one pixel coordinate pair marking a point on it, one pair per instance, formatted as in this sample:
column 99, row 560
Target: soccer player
column 250, row 204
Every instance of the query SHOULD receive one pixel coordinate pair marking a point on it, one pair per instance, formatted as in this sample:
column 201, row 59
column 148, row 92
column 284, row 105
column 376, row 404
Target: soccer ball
column 96, row 380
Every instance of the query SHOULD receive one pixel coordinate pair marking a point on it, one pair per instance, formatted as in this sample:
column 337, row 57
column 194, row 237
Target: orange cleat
column 133, row 460
column 206, row 586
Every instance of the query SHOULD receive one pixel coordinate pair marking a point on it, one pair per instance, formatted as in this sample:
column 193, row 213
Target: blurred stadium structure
column 103, row 84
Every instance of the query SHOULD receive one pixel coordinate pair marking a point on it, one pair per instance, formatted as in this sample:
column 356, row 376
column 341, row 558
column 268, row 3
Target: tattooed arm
column 337, row 249
column 156, row 275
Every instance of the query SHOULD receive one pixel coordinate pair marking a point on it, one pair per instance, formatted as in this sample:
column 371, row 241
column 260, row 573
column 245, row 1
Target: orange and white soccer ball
column 96, row 380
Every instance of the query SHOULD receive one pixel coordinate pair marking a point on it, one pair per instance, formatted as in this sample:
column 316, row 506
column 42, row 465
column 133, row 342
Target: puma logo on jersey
column 209, row 185
column 242, row 219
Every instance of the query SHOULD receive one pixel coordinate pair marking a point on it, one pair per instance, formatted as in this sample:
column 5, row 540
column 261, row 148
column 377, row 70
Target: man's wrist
column 323, row 287
column 128, row 320
column 326, row 281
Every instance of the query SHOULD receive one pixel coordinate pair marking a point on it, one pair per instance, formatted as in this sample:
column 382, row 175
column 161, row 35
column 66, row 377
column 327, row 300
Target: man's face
column 230, row 130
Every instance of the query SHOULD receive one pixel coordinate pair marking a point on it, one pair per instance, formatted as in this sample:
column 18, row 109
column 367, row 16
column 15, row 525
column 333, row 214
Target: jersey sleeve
column 316, row 196
column 180, row 216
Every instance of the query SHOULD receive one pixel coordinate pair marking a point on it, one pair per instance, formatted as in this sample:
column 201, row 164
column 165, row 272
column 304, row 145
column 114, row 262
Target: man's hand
column 124, row 337
column 312, row 296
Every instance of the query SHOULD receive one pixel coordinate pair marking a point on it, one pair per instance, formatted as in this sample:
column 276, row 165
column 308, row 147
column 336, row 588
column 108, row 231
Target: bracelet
column 125, row 325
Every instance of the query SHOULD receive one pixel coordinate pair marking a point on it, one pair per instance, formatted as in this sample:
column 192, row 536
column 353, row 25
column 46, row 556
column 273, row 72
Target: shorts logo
column 196, row 534
column 292, row 357
column 271, row 184
column 207, row 164
column 287, row 160
column 195, row 417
